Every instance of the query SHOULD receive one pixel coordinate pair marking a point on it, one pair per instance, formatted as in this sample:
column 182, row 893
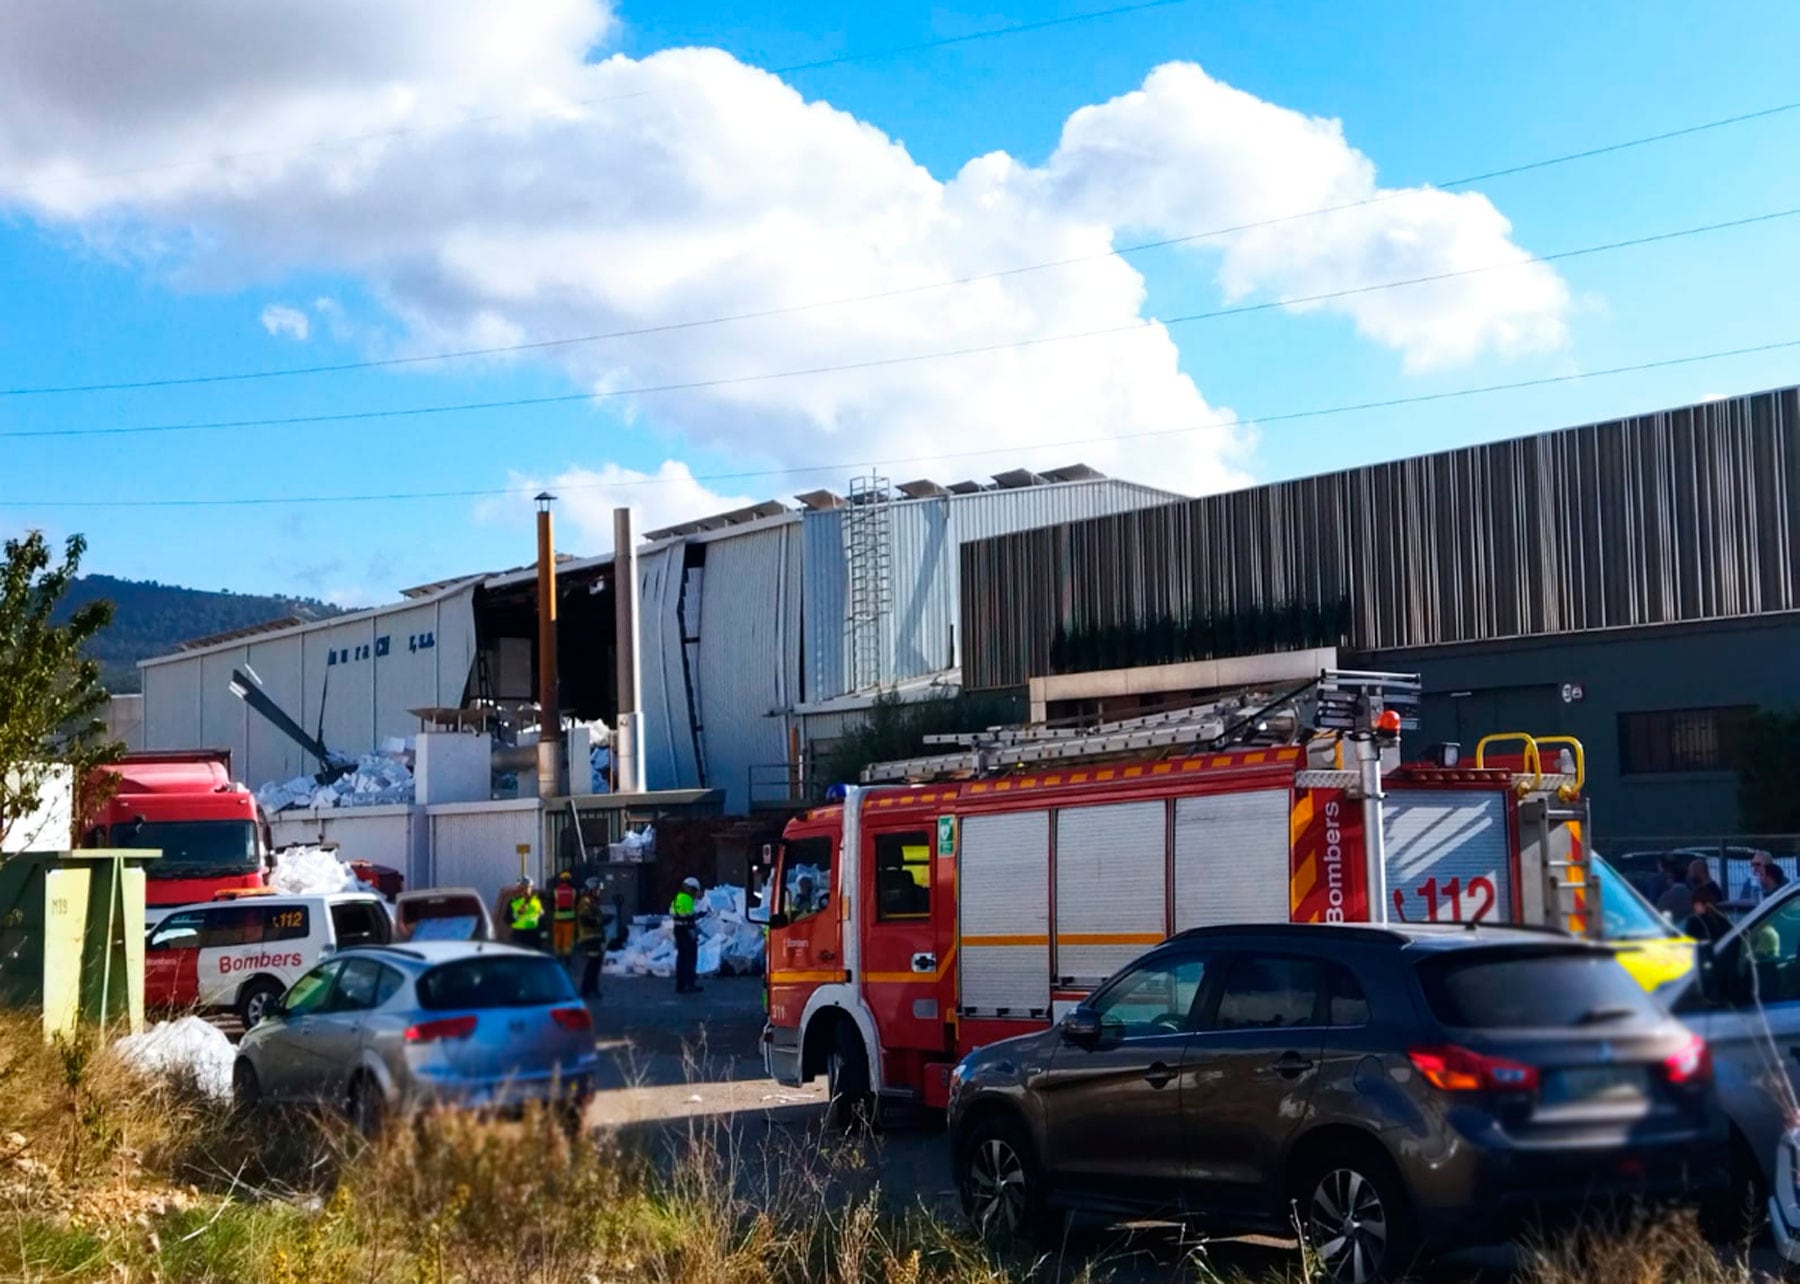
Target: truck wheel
column 254, row 1001
column 998, row 1178
column 850, row 1105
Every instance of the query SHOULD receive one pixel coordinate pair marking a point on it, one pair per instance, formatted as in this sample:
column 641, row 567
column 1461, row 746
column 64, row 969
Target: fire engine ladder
column 1557, row 887
column 1337, row 700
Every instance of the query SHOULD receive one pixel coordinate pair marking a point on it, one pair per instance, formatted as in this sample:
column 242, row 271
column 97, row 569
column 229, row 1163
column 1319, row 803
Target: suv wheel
column 1356, row 1222
column 999, row 1183
column 367, row 1109
column 253, row 1003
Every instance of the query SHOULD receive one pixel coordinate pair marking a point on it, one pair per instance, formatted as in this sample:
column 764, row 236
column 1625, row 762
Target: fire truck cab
column 913, row 922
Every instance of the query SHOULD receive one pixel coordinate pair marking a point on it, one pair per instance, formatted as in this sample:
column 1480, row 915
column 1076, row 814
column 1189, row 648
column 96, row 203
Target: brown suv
column 1396, row 1089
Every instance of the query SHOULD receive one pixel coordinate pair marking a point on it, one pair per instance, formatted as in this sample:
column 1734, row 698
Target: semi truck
column 184, row 803
column 950, row 901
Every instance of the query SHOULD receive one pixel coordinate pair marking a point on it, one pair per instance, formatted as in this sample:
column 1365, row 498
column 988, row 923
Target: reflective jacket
column 525, row 912
column 563, row 898
column 682, row 910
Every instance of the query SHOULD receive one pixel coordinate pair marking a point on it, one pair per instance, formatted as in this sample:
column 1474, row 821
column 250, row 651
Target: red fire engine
column 915, row 922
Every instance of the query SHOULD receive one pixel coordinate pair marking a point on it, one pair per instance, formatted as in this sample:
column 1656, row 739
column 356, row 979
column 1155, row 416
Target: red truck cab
column 185, row 804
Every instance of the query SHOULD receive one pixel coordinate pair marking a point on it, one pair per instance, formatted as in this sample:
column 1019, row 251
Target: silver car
column 467, row 1023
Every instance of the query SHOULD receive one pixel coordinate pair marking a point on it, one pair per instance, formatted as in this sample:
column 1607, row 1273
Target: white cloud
column 282, row 321
column 639, row 193
column 586, row 498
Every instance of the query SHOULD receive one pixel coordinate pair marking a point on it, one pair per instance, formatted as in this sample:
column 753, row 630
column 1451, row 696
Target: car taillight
column 1689, row 1064
column 432, row 1031
column 1454, row 1069
column 572, row 1018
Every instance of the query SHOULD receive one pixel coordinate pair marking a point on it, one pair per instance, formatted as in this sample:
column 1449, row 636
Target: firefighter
column 525, row 916
column 590, row 930
column 687, row 935
column 562, row 916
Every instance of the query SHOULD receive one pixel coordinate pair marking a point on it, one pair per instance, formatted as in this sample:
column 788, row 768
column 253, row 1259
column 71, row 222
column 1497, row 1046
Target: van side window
column 806, row 868
column 178, row 932
column 232, row 925
column 903, row 875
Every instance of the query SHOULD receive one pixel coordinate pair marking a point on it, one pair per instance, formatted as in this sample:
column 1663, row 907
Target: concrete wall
column 1516, row 685
column 391, row 834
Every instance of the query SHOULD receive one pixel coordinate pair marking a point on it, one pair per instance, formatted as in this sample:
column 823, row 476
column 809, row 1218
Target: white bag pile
column 383, row 777
column 729, row 943
column 312, row 871
column 188, row 1046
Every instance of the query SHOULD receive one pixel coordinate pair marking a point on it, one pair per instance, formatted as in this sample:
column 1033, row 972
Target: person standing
column 687, row 936
column 1766, row 878
column 1708, row 921
column 562, row 916
column 590, row 929
column 525, row 916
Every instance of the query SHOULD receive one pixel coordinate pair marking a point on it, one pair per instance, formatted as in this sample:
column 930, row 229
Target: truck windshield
column 1624, row 913
column 192, row 847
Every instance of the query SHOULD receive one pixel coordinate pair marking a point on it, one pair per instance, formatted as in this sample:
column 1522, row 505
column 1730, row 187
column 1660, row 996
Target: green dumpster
column 72, row 936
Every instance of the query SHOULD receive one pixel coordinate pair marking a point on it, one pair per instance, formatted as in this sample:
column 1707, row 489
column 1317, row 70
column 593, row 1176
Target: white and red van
column 241, row 954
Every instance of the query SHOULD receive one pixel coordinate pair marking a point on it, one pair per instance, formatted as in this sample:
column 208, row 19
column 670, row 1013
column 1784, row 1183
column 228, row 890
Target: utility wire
column 803, row 469
column 457, row 122
column 515, row 403
column 539, row 345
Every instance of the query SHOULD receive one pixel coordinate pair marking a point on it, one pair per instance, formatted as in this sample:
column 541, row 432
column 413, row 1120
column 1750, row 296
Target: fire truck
column 953, row 900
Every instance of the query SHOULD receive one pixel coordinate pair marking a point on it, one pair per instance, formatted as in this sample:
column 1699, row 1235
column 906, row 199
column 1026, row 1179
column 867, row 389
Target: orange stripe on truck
column 1109, row 938
column 1005, row 940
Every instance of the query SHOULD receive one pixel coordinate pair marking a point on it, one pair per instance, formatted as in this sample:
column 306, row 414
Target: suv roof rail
column 1352, row 931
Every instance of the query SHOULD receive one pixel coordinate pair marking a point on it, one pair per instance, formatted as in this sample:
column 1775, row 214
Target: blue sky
column 128, row 281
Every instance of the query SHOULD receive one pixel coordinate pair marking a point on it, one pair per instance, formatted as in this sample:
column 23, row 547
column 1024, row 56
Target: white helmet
column 691, row 882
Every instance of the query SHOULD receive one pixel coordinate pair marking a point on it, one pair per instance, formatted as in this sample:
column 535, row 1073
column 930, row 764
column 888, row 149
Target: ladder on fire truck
column 1341, row 701
column 1557, row 888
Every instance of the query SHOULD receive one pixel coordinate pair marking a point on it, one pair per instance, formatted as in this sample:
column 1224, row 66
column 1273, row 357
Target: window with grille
column 1667, row 740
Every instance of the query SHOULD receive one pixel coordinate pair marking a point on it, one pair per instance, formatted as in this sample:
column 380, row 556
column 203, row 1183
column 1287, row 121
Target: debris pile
column 312, row 871
column 190, row 1046
column 384, row 777
column 729, row 942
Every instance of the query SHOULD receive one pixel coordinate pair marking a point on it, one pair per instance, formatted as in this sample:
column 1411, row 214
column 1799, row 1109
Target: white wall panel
column 172, row 705
column 739, row 668
column 394, row 836
column 224, row 719
column 272, row 755
column 475, row 844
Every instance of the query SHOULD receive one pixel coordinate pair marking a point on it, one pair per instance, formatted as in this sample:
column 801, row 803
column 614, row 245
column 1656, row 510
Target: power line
column 457, row 122
column 842, row 467
column 539, row 345
column 693, row 385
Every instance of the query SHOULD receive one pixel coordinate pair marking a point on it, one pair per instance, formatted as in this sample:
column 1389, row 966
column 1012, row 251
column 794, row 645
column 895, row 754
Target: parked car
column 1396, row 1089
column 1744, row 999
column 241, row 954
column 375, row 1030
column 442, row 914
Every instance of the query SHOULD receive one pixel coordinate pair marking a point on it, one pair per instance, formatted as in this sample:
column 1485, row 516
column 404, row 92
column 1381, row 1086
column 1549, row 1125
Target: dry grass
column 105, row 1176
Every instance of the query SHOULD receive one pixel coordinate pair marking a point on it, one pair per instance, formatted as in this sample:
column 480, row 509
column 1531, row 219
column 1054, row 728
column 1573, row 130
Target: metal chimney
column 549, row 747
column 629, row 754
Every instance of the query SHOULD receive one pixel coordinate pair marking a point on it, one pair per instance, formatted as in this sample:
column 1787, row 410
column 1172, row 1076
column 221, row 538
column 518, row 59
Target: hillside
column 152, row 619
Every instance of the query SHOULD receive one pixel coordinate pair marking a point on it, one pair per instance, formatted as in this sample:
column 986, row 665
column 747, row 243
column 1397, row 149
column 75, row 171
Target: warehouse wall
column 920, row 633
column 1516, row 685
column 363, row 672
column 1683, row 515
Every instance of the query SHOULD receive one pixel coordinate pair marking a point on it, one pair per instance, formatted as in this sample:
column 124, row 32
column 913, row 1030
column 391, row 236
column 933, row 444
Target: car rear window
column 495, row 982
column 1535, row 990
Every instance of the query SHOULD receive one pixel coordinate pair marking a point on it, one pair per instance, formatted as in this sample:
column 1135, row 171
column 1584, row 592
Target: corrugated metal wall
column 366, row 672
column 1687, row 514
column 748, row 613
column 668, row 732
column 920, row 634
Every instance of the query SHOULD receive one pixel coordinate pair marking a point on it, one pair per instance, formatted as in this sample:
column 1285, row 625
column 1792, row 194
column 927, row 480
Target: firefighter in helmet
column 525, row 916
column 562, row 916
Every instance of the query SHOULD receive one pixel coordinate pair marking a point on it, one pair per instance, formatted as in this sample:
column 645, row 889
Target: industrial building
column 1631, row 583
column 760, row 632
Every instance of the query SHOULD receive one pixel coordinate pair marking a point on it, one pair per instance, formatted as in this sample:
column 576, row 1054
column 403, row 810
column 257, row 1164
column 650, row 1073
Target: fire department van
column 240, row 954
column 915, row 922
